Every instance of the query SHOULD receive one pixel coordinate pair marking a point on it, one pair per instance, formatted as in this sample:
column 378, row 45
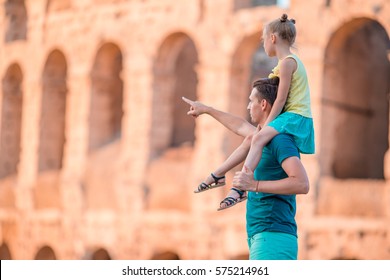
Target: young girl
column 290, row 113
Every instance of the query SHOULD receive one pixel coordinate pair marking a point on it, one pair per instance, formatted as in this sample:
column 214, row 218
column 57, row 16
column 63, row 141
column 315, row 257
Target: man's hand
column 244, row 180
column 196, row 108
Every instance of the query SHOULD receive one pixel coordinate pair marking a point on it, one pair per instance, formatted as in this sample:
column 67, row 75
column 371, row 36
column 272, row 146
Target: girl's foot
column 234, row 196
column 211, row 182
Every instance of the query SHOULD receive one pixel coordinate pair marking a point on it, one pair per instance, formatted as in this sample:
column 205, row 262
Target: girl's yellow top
column 298, row 99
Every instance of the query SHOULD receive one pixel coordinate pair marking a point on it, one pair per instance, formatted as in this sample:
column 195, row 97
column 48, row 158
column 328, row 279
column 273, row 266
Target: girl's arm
column 287, row 68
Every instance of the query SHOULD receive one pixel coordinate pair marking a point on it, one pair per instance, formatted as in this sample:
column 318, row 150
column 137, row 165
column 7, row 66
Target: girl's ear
column 273, row 38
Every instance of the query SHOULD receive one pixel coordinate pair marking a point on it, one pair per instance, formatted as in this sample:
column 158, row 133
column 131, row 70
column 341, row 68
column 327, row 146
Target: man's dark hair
column 267, row 88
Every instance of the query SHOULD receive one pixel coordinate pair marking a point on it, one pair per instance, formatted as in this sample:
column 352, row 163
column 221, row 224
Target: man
column 280, row 175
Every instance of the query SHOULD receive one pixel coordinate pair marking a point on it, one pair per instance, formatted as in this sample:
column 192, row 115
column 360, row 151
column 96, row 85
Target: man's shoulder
column 283, row 138
column 284, row 144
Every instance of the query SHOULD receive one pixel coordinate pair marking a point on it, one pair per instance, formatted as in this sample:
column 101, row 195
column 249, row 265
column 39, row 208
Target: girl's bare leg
column 237, row 157
column 259, row 140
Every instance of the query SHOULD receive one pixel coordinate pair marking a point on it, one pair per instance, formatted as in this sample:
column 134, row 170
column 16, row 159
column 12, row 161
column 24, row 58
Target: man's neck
column 261, row 124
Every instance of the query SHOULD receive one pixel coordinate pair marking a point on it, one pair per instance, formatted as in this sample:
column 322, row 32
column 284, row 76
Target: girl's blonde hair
column 284, row 27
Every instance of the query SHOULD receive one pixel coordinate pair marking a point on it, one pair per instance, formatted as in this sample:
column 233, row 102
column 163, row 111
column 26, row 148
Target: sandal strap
column 216, row 178
column 203, row 186
column 229, row 200
column 240, row 192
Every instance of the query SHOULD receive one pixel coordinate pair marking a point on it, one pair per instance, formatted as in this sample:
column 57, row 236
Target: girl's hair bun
column 284, row 18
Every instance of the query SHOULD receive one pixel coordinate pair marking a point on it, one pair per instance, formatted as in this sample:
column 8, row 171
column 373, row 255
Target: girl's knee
column 263, row 137
column 258, row 140
column 248, row 139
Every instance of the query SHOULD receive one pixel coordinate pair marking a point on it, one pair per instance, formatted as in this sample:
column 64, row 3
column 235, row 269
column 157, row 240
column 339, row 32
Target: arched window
column 52, row 123
column 174, row 76
column 45, row 253
column 105, row 121
column 167, row 255
column 101, row 254
column 249, row 63
column 11, row 121
column 355, row 105
column 5, row 253
column 16, row 20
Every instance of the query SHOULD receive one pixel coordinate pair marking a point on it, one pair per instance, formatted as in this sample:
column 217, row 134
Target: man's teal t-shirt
column 267, row 211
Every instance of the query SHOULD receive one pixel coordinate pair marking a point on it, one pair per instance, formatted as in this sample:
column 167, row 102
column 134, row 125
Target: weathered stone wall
column 98, row 159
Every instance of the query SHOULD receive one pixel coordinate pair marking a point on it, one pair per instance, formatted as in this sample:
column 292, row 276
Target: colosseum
column 98, row 159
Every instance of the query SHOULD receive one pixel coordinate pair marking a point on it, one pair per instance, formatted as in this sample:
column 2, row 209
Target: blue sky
column 284, row 3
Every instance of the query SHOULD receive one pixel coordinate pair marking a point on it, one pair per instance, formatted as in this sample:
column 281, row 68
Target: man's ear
column 264, row 104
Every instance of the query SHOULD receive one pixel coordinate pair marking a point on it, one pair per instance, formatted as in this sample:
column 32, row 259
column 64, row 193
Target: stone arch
column 11, row 120
column 174, row 76
column 5, row 253
column 16, row 20
column 249, row 62
column 106, row 111
column 45, row 253
column 354, row 133
column 167, row 255
column 52, row 123
column 101, row 254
